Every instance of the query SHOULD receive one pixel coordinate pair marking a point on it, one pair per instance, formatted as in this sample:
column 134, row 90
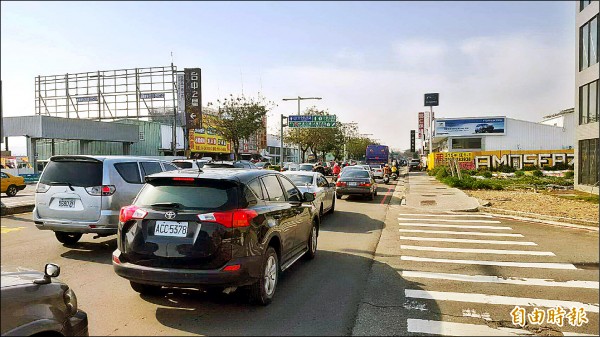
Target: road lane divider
column 542, row 265
column 500, row 280
column 409, row 224
column 497, row 299
column 460, row 233
column 447, row 215
column 491, row 242
column 452, row 220
column 477, row 251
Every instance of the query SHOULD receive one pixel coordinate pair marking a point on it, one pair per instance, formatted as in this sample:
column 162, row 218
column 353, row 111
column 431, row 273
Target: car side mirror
column 331, row 184
column 50, row 270
column 308, row 197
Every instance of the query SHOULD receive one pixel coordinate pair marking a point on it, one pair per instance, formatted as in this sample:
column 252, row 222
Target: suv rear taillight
column 230, row 219
column 131, row 212
column 101, row 190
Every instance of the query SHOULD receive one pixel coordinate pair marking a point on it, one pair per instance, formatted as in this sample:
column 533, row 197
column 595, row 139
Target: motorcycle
column 394, row 176
column 386, row 178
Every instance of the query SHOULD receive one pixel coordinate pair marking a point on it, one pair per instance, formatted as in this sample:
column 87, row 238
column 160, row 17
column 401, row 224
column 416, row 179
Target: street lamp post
column 300, row 99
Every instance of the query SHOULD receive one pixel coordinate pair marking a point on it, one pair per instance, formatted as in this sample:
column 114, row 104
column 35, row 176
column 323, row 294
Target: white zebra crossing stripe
column 491, row 242
column 543, row 265
column 477, row 251
column 460, row 233
column 496, row 279
column 451, row 220
column 459, row 329
column 447, row 215
column 497, row 300
column 409, row 224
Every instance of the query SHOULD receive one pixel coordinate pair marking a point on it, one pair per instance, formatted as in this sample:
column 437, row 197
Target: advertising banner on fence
column 207, row 139
column 515, row 158
column 470, row 126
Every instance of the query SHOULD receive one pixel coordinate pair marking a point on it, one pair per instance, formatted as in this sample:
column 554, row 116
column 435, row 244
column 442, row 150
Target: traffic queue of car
column 216, row 226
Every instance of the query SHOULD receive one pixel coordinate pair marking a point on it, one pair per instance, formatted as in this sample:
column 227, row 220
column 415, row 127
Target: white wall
column 523, row 135
column 166, row 134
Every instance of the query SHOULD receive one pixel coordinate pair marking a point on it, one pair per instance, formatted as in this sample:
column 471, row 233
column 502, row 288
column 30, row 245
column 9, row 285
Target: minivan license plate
column 66, row 203
column 171, row 228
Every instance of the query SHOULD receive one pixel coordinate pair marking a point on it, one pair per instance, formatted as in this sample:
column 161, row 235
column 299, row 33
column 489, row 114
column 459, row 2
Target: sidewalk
column 423, row 191
column 23, row 202
column 380, row 311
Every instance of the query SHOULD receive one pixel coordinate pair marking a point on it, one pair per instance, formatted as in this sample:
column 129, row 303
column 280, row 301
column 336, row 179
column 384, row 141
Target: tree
column 357, row 147
column 238, row 118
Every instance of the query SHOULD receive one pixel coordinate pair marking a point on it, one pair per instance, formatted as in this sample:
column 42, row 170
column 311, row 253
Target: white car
column 377, row 170
column 316, row 183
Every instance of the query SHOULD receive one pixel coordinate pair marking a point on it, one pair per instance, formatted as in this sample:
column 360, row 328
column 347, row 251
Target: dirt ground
column 540, row 203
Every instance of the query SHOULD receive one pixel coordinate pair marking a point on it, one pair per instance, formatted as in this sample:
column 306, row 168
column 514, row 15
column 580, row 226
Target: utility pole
column 174, row 134
column 299, row 99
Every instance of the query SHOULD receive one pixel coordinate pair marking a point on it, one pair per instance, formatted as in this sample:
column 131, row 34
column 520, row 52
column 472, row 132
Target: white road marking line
column 451, row 226
column 451, row 220
column 459, row 233
column 496, row 279
column 494, row 263
column 491, row 242
column 446, row 215
column 566, row 333
column 497, row 300
column 477, row 251
column 459, row 329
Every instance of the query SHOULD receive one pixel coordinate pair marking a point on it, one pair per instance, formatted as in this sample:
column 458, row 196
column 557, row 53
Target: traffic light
column 412, row 140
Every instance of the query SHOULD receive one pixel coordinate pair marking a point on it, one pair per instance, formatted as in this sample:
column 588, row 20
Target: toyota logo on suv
column 170, row 215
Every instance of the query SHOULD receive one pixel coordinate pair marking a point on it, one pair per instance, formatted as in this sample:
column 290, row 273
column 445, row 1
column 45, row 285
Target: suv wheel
column 68, row 238
column 11, row 191
column 144, row 289
column 263, row 290
column 312, row 243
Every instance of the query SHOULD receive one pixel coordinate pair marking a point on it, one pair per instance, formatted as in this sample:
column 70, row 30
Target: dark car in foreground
column 35, row 303
column 356, row 182
column 215, row 230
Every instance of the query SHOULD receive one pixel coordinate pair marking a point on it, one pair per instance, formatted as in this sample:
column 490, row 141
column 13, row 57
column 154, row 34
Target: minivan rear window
column 200, row 195
column 74, row 172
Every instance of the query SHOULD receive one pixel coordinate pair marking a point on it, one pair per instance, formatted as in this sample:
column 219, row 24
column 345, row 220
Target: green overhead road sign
column 312, row 118
column 312, row 124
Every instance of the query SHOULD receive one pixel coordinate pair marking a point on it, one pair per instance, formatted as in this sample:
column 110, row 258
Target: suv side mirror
column 50, row 270
column 331, row 184
column 308, row 197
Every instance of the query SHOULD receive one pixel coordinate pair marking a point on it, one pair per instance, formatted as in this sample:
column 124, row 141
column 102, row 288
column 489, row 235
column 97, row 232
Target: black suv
column 215, row 230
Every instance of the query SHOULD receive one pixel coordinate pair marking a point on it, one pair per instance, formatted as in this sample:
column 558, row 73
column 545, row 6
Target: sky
column 371, row 62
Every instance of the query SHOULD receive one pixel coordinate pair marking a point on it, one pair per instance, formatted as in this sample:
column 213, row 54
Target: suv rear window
column 75, row 172
column 199, row 195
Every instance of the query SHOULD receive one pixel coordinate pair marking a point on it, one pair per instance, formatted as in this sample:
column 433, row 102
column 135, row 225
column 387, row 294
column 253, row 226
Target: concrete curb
column 17, row 209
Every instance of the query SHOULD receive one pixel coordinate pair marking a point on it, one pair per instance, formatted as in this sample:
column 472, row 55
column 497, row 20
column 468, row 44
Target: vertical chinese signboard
column 421, row 124
column 193, row 98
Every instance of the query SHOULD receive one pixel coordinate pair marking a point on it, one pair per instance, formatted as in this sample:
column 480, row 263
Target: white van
column 79, row 194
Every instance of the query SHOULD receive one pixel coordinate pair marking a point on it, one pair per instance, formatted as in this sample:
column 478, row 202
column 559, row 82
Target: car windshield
column 375, row 166
column 183, row 164
column 300, row 179
column 306, row 167
column 261, row 164
column 355, row 174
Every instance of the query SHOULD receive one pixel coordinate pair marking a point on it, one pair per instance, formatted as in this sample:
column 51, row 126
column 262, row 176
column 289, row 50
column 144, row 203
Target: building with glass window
column 587, row 97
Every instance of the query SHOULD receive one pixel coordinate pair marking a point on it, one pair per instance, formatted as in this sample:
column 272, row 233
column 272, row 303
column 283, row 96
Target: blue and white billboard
column 453, row 127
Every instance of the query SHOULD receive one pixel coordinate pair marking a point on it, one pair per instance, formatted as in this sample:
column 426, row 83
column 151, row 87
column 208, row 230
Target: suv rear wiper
column 57, row 183
column 168, row 204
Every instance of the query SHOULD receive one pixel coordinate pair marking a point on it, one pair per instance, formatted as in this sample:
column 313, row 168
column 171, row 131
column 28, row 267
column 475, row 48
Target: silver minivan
column 79, row 194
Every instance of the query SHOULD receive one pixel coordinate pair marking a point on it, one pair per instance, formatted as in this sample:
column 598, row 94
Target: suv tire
column 68, row 238
column 263, row 290
column 145, row 289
